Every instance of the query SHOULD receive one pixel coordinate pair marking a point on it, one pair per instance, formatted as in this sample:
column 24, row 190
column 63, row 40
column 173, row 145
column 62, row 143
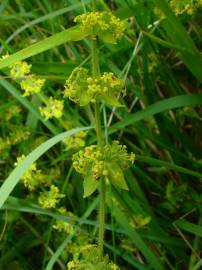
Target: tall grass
column 157, row 223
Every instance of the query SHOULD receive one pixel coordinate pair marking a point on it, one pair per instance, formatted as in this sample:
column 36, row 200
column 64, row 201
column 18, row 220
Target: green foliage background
column 157, row 224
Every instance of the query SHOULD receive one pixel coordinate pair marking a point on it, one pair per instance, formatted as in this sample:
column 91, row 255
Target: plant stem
column 101, row 220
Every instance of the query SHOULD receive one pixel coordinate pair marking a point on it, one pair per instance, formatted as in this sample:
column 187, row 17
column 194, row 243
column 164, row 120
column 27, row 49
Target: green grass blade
column 135, row 237
column 65, row 242
column 46, row 17
column 180, row 37
column 28, row 105
column 168, row 165
column 72, row 34
column 158, row 107
column 189, row 227
column 17, row 173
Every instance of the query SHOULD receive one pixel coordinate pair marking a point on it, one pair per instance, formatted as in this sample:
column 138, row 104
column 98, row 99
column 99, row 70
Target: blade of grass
column 72, row 34
column 158, row 107
column 165, row 164
column 49, row 16
column 135, row 238
column 180, row 37
column 60, row 249
column 189, row 227
column 24, row 101
column 12, row 180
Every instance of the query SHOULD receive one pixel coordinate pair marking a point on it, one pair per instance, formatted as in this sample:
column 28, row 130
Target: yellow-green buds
column 185, row 6
column 62, row 226
column 104, row 24
column 29, row 83
column 109, row 163
column 54, row 108
column 88, row 258
column 75, row 141
column 19, row 69
column 33, row 177
column 32, row 85
column 82, row 88
column 49, row 199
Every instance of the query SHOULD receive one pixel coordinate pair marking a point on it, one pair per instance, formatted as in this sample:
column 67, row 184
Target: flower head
column 33, row 177
column 19, row 69
column 109, row 163
column 185, row 6
column 62, row 226
column 75, row 141
column 104, row 24
column 53, row 108
column 32, row 85
column 49, row 199
column 82, row 88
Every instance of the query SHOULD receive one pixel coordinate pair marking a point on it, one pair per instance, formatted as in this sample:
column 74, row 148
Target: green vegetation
column 100, row 135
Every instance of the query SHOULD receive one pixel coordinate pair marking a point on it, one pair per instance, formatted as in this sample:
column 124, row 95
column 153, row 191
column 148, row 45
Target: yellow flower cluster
column 89, row 157
column 108, row 163
column 104, row 24
column 82, row 88
column 62, row 226
column 19, row 69
column 49, row 199
column 30, row 83
column 88, row 258
column 53, row 108
column 12, row 111
column 185, row 6
column 14, row 138
column 4, row 144
column 33, row 177
column 75, row 141
column 18, row 135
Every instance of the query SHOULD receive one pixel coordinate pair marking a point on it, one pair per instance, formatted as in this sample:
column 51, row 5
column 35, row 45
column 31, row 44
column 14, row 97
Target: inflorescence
column 185, row 6
column 104, row 24
column 33, row 177
column 82, row 88
column 53, row 108
column 93, row 162
column 29, row 83
column 49, row 199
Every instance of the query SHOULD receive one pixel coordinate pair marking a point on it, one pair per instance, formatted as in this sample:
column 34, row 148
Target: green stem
column 101, row 218
column 95, row 72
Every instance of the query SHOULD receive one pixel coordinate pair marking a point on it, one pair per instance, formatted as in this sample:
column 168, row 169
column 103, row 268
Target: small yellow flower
column 49, row 199
column 62, row 226
column 82, row 88
column 75, row 141
column 33, row 177
column 104, row 24
column 185, row 6
column 19, row 69
column 32, row 85
column 54, row 108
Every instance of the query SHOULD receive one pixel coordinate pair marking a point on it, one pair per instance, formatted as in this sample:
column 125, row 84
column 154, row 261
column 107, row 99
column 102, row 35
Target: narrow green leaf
column 189, row 227
column 165, row 164
column 116, row 176
column 180, row 37
column 111, row 100
column 28, row 105
column 46, row 17
column 136, row 238
column 90, row 184
column 158, row 107
column 72, row 34
column 12, row 180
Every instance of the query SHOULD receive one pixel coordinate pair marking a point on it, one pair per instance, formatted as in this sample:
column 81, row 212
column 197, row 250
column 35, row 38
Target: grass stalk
column 101, row 219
